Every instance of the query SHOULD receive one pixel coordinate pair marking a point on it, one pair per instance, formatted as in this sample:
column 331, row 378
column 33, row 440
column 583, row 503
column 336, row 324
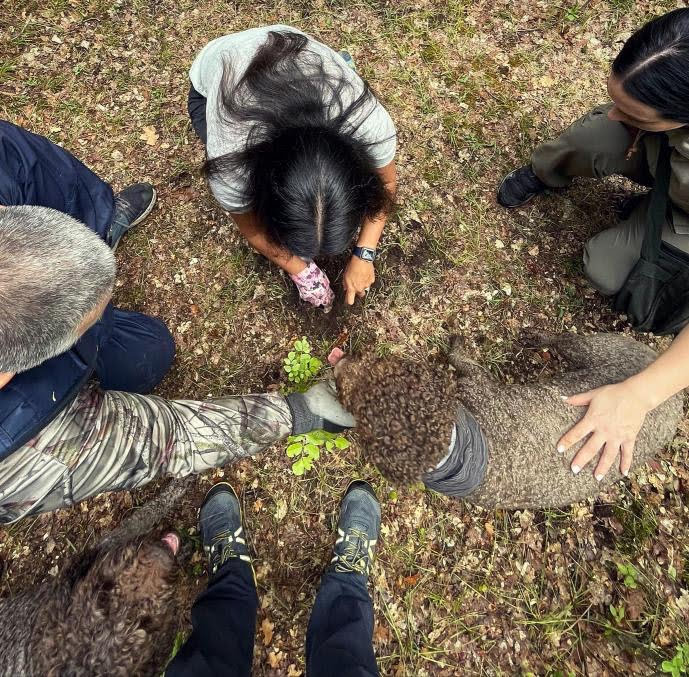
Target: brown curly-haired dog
column 112, row 611
column 109, row 613
column 488, row 442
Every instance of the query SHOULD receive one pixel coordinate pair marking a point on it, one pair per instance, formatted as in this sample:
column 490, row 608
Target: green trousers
column 108, row 440
column 595, row 146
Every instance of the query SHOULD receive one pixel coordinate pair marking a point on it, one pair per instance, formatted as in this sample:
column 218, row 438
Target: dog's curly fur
column 109, row 613
column 403, row 418
column 403, row 412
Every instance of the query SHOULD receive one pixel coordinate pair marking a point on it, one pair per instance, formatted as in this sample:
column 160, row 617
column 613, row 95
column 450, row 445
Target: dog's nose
column 171, row 540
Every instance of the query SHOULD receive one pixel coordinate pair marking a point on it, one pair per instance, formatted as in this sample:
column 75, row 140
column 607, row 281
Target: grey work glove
column 318, row 409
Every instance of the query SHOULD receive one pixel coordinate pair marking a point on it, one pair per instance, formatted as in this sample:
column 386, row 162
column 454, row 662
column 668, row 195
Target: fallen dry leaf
column 275, row 658
column 150, row 136
column 267, row 630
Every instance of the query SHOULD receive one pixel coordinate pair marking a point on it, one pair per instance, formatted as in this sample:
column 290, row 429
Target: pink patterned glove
column 314, row 287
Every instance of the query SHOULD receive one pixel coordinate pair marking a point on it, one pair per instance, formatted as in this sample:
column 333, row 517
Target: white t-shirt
column 222, row 138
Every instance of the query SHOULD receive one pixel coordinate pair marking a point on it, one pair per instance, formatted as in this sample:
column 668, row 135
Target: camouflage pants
column 109, row 440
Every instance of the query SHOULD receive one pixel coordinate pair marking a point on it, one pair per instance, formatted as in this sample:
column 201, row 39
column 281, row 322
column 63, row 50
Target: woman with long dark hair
column 642, row 134
column 299, row 151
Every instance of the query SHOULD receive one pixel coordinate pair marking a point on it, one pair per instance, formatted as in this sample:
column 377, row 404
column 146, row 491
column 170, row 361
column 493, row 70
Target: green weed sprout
column 617, row 613
column 307, row 448
column 679, row 665
column 630, row 575
column 300, row 365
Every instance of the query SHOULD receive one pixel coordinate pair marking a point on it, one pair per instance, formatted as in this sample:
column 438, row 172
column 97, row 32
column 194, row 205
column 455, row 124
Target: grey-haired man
column 75, row 417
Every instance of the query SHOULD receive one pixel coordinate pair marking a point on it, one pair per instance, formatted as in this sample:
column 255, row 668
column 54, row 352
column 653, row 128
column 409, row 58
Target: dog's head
column 404, row 412
column 113, row 613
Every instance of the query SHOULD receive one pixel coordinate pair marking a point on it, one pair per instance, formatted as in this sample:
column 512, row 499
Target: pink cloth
column 314, row 287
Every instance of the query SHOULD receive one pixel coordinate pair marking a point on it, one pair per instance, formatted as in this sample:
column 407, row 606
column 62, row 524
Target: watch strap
column 365, row 253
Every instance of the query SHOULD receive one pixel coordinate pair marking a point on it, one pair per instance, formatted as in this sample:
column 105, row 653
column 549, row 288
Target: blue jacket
column 34, row 171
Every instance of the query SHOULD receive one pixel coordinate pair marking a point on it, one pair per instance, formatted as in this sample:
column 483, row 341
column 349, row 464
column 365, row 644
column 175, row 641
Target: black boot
column 519, row 186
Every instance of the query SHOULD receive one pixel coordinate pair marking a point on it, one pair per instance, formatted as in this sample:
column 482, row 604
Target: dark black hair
column 310, row 181
column 653, row 65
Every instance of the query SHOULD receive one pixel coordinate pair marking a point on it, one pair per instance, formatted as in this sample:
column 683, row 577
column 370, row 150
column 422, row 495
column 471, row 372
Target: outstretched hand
column 319, row 409
column 614, row 417
column 358, row 277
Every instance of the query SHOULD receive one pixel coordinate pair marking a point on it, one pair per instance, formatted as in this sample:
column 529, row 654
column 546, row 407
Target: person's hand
column 314, row 287
column 358, row 277
column 614, row 417
column 318, row 409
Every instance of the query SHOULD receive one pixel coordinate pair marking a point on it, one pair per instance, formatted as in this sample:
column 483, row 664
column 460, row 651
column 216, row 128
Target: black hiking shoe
column 220, row 526
column 357, row 529
column 626, row 204
column 519, row 186
column 132, row 206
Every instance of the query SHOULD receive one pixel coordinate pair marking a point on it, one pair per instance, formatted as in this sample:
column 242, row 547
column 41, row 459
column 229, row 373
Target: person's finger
column 350, row 295
column 582, row 399
column 587, row 452
column 607, row 458
column 574, row 435
column 626, row 457
column 361, row 294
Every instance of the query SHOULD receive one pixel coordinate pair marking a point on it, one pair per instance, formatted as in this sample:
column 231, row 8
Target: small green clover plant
column 300, row 365
column 630, row 575
column 307, row 448
column 679, row 665
column 617, row 613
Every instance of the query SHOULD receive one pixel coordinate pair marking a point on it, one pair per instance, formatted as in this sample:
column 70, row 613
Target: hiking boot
column 519, row 186
column 132, row 206
column 358, row 528
column 220, row 526
column 626, row 204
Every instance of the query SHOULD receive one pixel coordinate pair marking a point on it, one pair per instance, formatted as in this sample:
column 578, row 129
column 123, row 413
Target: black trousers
column 338, row 639
column 196, row 105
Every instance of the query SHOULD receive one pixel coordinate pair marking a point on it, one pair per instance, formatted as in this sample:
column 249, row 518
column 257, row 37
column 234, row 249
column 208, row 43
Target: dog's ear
column 79, row 566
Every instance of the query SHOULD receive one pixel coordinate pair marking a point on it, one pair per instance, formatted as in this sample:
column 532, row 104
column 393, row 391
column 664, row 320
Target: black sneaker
column 626, row 204
column 519, row 186
column 358, row 529
column 220, row 526
column 132, row 206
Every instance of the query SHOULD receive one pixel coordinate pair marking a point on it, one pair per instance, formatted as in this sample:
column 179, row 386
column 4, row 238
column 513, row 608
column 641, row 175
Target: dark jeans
column 197, row 112
column 338, row 639
column 138, row 354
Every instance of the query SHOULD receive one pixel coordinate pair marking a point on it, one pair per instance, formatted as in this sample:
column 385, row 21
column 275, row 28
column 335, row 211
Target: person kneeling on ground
column 64, row 438
column 490, row 443
column 647, row 120
column 299, row 152
column 340, row 631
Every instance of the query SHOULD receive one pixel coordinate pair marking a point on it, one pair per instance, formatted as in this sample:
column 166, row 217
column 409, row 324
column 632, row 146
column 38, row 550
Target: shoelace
column 358, row 552
column 226, row 541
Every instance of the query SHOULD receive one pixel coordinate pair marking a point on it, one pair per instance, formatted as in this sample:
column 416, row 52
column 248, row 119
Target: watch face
column 366, row 254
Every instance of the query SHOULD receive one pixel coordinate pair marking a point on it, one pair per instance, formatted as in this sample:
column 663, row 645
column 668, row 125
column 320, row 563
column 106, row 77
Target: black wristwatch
column 365, row 253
